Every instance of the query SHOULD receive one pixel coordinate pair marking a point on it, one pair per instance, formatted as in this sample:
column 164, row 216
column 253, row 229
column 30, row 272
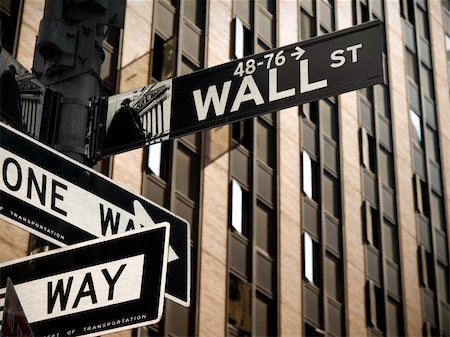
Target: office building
column 326, row 219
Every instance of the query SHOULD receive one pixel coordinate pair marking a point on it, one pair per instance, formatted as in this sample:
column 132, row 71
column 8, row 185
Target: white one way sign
column 94, row 287
column 64, row 202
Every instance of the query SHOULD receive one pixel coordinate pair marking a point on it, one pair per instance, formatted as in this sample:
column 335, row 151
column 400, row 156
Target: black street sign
column 58, row 199
column 94, row 287
column 276, row 79
column 14, row 322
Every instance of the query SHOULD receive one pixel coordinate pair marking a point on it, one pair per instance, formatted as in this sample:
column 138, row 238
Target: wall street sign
column 64, row 202
column 276, row 79
column 94, row 287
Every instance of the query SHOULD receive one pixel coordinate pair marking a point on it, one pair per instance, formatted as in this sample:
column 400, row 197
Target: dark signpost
column 95, row 287
column 276, row 79
column 65, row 202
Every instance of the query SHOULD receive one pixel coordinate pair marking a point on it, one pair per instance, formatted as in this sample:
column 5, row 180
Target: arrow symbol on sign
column 298, row 53
column 145, row 219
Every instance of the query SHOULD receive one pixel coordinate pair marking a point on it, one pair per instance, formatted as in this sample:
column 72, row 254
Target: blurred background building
column 328, row 219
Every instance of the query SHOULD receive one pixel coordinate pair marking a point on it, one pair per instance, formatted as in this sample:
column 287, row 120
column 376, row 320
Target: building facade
column 327, row 219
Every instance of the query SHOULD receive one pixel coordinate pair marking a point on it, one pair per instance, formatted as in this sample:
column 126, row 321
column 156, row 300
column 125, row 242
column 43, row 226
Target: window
column 307, row 25
column 239, row 304
column 237, row 205
column 241, row 132
column 386, row 168
column 163, row 58
column 9, row 17
column 187, row 172
column 394, row 316
column 194, row 11
column 333, row 277
column 309, row 110
column 310, row 177
column 411, row 66
column 426, row 262
column 243, row 40
column 421, row 196
column 264, row 142
column 390, row 241
column 330, row 197
column 376, row 306
column 311, row 255
column 442, row 282
column 264, row 312
column 416, row 122
column 265, row 236
column 154, row 159
column 368, row 150
column 373, row 236
column 407, row 10
column 329, row 118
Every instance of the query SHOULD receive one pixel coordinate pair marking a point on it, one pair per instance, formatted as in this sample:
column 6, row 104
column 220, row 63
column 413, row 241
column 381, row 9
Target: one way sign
column 64, row 202
column 276, row 79
column 94, row 287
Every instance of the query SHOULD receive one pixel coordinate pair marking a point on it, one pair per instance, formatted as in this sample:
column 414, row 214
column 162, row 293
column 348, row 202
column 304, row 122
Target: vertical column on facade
column 351, row 194
column 441, row 83
column 289, row 192
column 213, row 240
column 134, row 67
column 403, row 169
column 436, row 19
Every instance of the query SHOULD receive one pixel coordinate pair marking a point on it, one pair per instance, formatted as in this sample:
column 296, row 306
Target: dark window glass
column 9, row 15
column 390, row 241
column 241, row 132
column 394, row 316
column 442, row 281
column 265, row 322
column 265, row 142
column 372, row 225
column 239, row 304
column 187, row 172
column 194, row 11
column 330, row 196
column 307, row 26
column 427, row 82
column 309, row 110
column 386, row 167
column 411, row 66
column 422, row 23
column 163, row 58
column 437, row 211
column 333, row 277
column 368, row 150
column 432, row 143
column 265, row 236
column 328, row 115
column 364, row 10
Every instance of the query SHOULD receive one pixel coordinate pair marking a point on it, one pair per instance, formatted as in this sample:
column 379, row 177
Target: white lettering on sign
column 339, row 59
column 248, row 90
column 66, row 201
column 81, row 290
column 305, row 85
column 32, row 184
column 212, row 95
